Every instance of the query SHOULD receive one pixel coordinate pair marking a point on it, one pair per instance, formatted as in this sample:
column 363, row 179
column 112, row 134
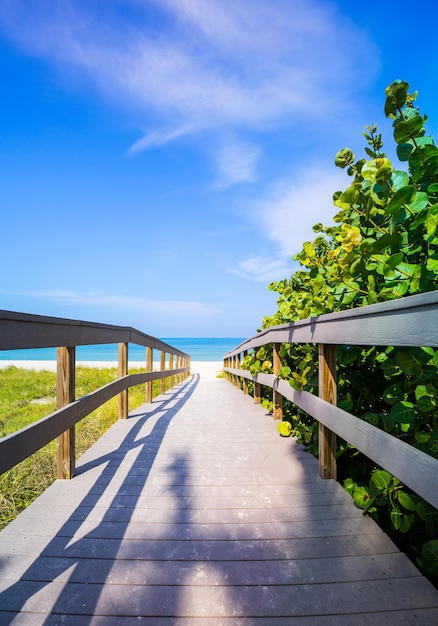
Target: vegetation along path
column 195, row 511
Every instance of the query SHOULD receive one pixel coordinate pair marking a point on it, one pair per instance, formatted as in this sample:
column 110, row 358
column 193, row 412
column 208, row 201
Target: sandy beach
column 206, row 369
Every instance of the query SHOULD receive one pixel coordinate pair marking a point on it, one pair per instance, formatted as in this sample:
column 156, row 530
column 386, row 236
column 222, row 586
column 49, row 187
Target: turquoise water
column 204, row 349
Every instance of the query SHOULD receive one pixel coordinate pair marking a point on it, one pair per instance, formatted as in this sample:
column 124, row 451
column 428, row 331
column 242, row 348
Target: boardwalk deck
column 195, row 512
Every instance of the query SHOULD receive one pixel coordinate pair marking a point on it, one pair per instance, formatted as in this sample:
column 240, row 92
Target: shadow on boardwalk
column 205, row 520
column 61, row 554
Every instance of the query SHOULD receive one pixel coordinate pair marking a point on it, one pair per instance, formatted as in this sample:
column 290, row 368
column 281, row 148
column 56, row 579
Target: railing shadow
column 63, row 555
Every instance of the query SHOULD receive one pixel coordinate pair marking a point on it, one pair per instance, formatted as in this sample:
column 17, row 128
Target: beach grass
column 28, row 395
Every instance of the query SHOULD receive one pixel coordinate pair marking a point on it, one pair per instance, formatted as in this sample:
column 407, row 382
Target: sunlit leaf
column 395, row 97
column 381, row 480
column 344, row 157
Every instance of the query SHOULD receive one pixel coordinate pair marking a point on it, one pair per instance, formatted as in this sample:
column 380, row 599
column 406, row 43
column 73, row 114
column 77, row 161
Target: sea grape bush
column 383, row 245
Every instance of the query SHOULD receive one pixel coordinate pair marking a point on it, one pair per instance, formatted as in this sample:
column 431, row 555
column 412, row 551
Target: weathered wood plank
column 328, row 392
column 23, row 330
column 410, row 321
column 122, row 372
column 17, row 446
column 413, row 467
column 277, row 398
column 194, row 511
column 65, row 394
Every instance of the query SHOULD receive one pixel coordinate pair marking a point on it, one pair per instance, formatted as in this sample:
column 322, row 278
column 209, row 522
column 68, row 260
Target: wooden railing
column 23, row 331
column 411, row 321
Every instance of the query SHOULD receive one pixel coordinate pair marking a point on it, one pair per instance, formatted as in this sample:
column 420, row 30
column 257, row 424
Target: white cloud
column 157, row 138
column 203, row 64
column 286, row 217
column 163, row 308
column 236, row 163
column 264, row 269
column 293, row 206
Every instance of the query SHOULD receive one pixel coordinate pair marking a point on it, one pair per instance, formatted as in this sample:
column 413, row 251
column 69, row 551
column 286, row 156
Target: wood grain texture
column 23, row 330
column 195, row 511
column 411, row 321
column 414, row 468
column 277, row 398
column 149, row 368
column 122, row 372
column 328, row 392
column 65, row 394
column 16, row 447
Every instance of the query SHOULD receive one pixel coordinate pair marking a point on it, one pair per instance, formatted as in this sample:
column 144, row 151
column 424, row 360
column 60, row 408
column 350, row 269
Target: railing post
column 328, row 392
column 238, row 366
column 245, row 382
column 277, row 398
column 257, row 393
column 162, row 368
column 65, row 393
column 171, row 379
column 149, row 366
column 123, row 371
column 177, row 366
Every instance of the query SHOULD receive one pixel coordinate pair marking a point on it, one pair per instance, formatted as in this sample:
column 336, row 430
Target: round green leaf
column 309, row 249
column 429, row 556
column 394, row 393
column 361, row 497
column 381, row 480
column 426, row 511
column 403, row 412
column 344, row 157
column 403, row 196
column 422, row 437
column 399, row 179
column 407, row 501
column 408, row 129
column 395, row 97
column 404, row 151
column 412, row 360
column 377, row 169
column 419, row 202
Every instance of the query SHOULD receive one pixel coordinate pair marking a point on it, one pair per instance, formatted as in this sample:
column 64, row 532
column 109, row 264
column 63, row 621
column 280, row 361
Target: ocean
column 199, row 349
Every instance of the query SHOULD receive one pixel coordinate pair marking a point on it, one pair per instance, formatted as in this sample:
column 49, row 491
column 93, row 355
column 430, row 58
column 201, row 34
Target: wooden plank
column 244, row 383
column 23, row 330
column 149, row 368
column 277, row 398
column 17, row 446
column 327, row 391
column 65, row 394
column 218, row 524
column 412, row 467
column 122, row 372
column 162, row 368
column 410, row 321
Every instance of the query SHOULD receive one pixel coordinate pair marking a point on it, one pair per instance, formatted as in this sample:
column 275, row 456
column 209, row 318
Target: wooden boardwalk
column 195, row 512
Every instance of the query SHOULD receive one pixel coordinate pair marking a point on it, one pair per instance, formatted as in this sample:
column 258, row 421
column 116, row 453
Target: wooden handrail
column 412, row 322
column 25, row 331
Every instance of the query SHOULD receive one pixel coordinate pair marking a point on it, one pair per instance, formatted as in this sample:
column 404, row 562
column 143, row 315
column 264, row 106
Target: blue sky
column 162, row 160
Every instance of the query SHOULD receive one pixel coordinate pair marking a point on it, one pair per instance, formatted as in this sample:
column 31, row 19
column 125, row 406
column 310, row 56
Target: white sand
column 206, row 369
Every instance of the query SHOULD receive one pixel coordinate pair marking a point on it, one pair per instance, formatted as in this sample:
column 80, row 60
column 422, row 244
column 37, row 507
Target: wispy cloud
column 157, row 138
column 164, row 308
column 263, row 268
column 286, row 215
column 236, row 163
column 202, row 64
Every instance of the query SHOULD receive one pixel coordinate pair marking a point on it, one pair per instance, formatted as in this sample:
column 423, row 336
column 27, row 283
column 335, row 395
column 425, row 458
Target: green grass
column 25, row 397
